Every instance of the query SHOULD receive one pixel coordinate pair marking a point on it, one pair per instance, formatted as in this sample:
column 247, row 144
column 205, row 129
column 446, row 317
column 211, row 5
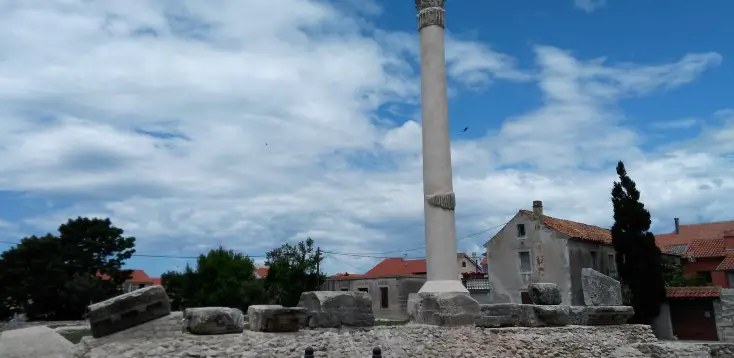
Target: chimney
column 538, row 208
column 677, row 226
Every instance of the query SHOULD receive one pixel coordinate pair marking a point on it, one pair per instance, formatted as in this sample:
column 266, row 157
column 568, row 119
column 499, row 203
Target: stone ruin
column 342, row 324
column 602, row 299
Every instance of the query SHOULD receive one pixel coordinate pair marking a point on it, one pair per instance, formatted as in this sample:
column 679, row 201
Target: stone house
column 707, row 250
column 568, row 246
column 701, row 313
column 391, row 281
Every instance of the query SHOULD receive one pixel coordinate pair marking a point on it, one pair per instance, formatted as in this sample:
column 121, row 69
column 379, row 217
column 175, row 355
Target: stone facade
column 724, row 315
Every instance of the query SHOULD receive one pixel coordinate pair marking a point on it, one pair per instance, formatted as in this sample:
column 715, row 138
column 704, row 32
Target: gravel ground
column 398, row 341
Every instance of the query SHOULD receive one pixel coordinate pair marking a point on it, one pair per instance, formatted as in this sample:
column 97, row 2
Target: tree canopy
column 55, row 277
column 293, row 269
column 639, row 260
column 221, row 278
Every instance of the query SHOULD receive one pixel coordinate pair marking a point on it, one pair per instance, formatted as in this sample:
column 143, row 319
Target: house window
column 383, row 297
column 363, row 289
column 705, row 275
column 463, row 263
column 345, row 289
column 593, row 260
column 525, row 263
column 520, row 230
column 142, row 285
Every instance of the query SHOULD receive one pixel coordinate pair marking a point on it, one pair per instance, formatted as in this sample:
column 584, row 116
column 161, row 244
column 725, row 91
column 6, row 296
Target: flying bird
column 465, row 129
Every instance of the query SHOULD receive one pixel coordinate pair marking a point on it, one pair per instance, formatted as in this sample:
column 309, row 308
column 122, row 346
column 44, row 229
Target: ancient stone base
column 333, row 309
column 213, row 320
column 128, row 310
column 522, row 315
column 34, row 342
column 442, row 309
column 276, row 318
column 601, row 315
column 544, row 293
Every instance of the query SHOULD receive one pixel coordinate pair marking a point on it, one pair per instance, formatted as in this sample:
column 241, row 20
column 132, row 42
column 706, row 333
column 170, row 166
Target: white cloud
column 251, row 133
column 589, row 5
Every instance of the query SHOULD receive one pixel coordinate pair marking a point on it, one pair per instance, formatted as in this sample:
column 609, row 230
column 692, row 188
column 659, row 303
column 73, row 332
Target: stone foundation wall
column 724, row 315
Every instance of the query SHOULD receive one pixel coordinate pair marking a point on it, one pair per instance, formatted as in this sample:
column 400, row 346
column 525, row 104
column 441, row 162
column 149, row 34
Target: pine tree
column 639, row 260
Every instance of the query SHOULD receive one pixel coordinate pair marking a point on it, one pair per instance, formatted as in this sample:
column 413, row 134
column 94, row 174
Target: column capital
column 430, row 12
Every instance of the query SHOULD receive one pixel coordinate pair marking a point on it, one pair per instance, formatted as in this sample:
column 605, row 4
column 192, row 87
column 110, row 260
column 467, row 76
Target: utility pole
column 318, row 267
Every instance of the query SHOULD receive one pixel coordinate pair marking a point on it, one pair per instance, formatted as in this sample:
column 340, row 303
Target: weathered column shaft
column 440, row 225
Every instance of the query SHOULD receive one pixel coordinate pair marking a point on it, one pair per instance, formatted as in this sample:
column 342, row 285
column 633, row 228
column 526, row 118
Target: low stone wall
column 8, row 326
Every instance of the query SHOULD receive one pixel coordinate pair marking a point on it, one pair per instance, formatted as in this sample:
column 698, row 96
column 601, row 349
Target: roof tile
column 693, row 292
column 706, row 248
column 727, row 263
column 690, row 232
column 575, row 229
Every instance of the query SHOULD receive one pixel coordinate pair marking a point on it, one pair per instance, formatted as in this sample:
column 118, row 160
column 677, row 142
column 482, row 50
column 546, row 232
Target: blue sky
column 249, row 124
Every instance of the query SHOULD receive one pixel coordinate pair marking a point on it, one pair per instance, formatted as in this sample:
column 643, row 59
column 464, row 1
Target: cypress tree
column 639, row 260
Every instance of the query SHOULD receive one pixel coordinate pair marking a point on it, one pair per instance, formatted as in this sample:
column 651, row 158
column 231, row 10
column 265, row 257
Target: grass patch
column 76, row 336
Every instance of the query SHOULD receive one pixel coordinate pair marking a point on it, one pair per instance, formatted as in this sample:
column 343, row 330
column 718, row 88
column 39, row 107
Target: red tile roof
column 262, row 271
column 575, row 229
column 706, row 248
column 693, row 292
column 397, row 266
column 727, row 263
column 137, row 276
column 156, row 281
column 346, row 276
column 690, row 232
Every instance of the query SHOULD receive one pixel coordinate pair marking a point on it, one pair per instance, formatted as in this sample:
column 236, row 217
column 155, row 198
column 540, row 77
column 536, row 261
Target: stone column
column 440, row 225
column 443, row 299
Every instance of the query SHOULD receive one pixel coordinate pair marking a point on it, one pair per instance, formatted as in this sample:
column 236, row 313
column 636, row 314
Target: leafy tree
column 55, row 277
column 293, row 269
column 221, row 278
column 673, row 276
column 639, row 260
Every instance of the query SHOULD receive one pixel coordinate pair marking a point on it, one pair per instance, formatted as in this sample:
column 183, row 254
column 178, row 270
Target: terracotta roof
column 137, row 276
column 262, row 271
column 706, row 248
column 397, row 266
column 156, row 281
column 575, row 229
column 346, row 276
column 693, row 292
column 727, row 263
column 690, row 232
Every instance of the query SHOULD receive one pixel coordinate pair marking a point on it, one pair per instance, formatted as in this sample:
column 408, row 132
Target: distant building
column 391, row 281
column 138, row 279
column 261, row 272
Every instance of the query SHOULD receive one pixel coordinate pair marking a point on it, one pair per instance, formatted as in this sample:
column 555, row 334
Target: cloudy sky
column 251, row 123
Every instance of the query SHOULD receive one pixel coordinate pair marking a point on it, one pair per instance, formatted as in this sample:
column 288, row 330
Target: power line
column 377, row 255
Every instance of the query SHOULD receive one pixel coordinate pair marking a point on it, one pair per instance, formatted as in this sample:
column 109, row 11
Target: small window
column 345, row 289
column 383, row 297
column 525, row 265
column 593, row 260
column 463, row 263
column 520, row 230
column 363, row 289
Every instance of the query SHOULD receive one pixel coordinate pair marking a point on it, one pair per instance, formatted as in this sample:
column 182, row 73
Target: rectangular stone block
column 334, row 309
column 442, row 309
column 600, row 315
column 128, row 310
column 523, row 315
column 600, row 289
column 213, row 320
column 276, row 318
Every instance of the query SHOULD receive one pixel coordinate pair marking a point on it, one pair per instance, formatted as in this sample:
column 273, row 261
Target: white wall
column 504, row 260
